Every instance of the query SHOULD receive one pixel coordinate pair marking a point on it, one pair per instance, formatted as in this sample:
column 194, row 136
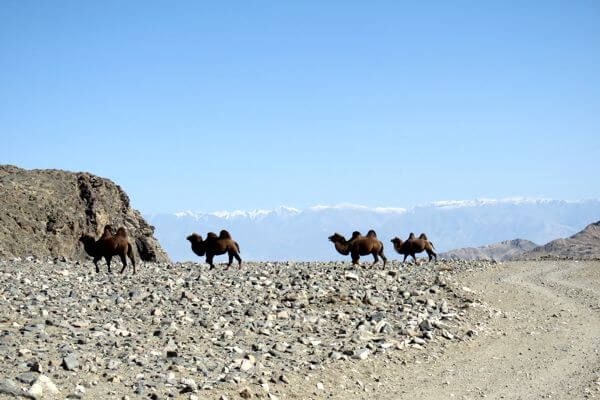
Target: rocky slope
column 505, row 250
column 583, row 245
column 43, row 213
column 250, row 330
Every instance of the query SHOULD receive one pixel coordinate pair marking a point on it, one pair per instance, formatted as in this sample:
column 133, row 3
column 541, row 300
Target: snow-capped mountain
column 287, row 233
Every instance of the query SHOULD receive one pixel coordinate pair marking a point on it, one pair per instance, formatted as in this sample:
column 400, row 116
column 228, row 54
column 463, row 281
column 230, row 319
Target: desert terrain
column 451, row 329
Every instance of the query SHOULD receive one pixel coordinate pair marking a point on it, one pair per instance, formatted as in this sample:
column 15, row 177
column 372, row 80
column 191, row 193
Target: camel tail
column 431, row 243
column 238, row 247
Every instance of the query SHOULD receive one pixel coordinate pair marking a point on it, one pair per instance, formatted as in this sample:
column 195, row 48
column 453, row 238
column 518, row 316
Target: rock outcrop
column 43, row 213
column 584, row 245
column 501, row 251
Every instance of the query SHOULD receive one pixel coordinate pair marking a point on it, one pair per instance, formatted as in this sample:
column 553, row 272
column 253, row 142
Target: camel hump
column 355, row 234
column 107, row 232
column 122, row 232
column 411, row 236
column 224, row 234
column 372, row 233
column 211, row 235
column 423, row 236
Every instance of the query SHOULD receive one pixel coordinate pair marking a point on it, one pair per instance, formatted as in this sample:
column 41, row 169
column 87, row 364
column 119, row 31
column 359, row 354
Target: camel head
column 198, row 245
column 194, row 238
column 89, row 244
column 397, row 241
column 87, row 239
column 337, row 238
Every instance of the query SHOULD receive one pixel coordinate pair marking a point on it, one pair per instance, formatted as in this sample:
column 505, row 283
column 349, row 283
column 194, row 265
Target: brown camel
column 413, row 246
column 215, row 245
column 359, row 245
column 108, row 246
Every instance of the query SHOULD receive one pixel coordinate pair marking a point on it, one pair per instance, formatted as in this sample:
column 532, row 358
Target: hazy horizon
column 287, row 233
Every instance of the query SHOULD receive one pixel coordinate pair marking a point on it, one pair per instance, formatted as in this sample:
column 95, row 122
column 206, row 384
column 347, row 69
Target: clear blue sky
column 253, row 104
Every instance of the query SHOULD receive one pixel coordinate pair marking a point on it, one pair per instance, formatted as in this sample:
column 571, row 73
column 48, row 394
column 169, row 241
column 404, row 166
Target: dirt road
column 544, row 342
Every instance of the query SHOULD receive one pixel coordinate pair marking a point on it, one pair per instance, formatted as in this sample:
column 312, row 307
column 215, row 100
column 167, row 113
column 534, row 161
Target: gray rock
column 70, row 362
column 27, row 377
column 42, row 387
column 10, row 388
column 361, row 354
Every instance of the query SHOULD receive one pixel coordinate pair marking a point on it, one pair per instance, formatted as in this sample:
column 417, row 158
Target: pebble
column 42, row 387
column 361, row 354
column 70, row 362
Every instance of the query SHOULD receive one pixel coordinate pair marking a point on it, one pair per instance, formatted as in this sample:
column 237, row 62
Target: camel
column 413, row 246
column 215, row 245
column 359, row 245
column 108, row 246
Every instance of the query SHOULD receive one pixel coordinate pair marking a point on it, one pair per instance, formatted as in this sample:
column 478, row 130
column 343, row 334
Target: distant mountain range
column 288, row 233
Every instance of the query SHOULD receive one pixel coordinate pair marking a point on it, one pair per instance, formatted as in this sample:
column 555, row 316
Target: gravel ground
column 264, row 330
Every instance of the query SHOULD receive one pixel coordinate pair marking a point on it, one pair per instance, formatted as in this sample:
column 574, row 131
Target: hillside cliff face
column 583, row 245
column 44, row 212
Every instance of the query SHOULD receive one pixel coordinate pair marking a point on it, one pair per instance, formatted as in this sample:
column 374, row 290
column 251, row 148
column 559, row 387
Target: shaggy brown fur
column 359, row 245
column 215, row 245
column 413, row 246
column 108, row 246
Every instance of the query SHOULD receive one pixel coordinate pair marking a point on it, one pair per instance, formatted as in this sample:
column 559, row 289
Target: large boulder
column 44, row 212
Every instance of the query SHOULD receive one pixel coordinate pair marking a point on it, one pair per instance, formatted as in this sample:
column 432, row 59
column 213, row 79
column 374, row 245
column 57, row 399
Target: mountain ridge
column 585, row 244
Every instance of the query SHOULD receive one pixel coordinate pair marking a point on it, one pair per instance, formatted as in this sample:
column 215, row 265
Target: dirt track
column 543, row 343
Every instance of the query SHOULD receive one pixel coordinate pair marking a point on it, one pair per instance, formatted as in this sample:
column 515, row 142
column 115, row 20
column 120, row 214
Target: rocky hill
column 498, row 251
column 43, row 213
column 583, row 245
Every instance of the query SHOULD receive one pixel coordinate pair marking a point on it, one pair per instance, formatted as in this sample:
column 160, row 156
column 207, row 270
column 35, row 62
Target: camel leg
column 414, row 258
column 238, row 258
column 108, row 258
column 405, row 256
column 355, row 259
column 209, row 261
column 375, row 258
column 130, row 255
column 96, row 259
column 230, row 259
column 432, row 253
column 123, row 261
column 383, row 257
